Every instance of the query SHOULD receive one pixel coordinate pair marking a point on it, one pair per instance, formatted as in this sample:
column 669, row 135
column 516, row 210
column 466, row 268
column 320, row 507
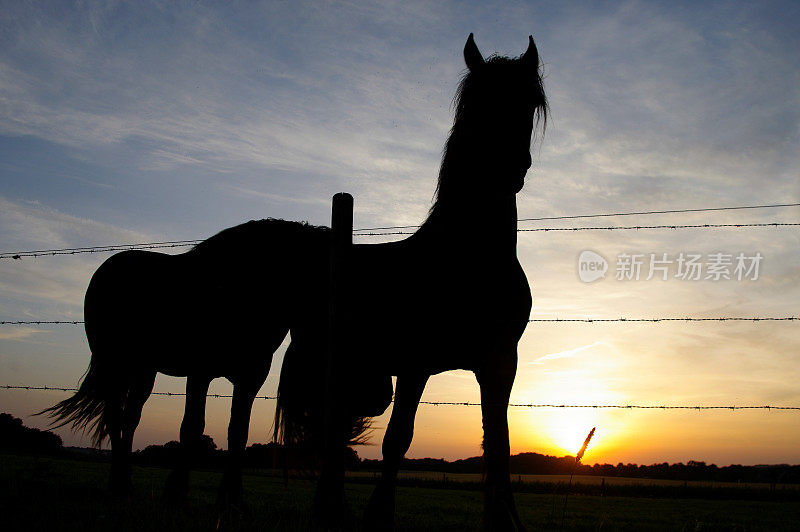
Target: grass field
column 62, row 494
column 581, row 479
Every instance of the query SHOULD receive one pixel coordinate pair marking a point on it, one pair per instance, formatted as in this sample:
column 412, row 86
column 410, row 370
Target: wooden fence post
column 332, row 479
column 341, row 245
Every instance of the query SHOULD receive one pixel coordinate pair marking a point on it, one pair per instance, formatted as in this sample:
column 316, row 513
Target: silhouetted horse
column 218, row 310
column 451, row 296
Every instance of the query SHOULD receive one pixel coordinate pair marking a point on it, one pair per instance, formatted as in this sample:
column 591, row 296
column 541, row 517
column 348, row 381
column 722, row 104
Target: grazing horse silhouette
column 214, row 311
column 451, row 296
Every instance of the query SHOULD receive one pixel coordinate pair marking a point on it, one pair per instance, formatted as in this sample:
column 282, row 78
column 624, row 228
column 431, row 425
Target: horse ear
column 531, row 55
column 472, row 56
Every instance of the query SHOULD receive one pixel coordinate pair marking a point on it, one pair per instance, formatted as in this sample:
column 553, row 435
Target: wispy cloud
column 43, row 226
column 32, row 225
column 18, row 333
column 564, row 354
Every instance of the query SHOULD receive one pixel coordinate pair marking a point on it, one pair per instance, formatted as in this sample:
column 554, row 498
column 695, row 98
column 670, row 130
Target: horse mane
column 249, row 235
column 471, row 93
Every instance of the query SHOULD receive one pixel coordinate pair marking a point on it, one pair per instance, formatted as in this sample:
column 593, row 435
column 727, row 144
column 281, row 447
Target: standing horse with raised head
column 451, row 296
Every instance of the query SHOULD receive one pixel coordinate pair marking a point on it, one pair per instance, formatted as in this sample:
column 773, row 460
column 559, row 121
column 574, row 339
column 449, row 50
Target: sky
column 149, row 121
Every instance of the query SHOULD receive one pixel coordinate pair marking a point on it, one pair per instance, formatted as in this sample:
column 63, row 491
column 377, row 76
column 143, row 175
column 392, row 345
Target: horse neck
column 466, row 214
column 488, row 224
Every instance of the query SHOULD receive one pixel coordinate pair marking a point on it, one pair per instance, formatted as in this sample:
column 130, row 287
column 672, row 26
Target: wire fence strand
column 17, row 255
column 43, row 322
column 169, row 394
column 534, row 320
column 615, row 228
column 611, row 214
column 97, row 249
column 467, row 403
column 471, row 403
column 670, row 211
column 657, row 320
column 662, row 226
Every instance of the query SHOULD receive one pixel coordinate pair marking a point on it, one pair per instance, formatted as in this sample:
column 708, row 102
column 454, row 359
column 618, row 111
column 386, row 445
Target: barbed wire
column 616, row 228
column 632, row 407
column 47, row 322
column 98, row 249
column 17, row 255
column 663, row 226
column 468, row 403
column 169, row 394
column 535, row 320
column 670, row 211
column 602, row 215
column 656, row 320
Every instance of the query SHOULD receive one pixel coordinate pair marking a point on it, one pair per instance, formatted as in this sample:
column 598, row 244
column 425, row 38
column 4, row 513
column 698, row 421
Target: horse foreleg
column 244, row 393
column 194, row 422
column 496, row 380
column 380, row 509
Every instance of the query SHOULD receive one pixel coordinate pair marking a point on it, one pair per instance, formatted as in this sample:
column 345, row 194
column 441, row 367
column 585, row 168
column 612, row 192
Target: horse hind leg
column 121, row 417
column 192, row 426
column 120, row 480
column 379, row 514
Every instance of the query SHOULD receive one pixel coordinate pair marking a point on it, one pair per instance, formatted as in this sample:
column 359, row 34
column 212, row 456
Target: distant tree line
column 539, row 464
column 17, row 438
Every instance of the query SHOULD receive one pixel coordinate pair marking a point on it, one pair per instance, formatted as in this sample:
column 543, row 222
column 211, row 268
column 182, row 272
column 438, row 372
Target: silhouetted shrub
column 16, row 437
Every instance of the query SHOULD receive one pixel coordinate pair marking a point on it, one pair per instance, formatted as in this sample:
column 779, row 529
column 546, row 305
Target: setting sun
column 569, row 432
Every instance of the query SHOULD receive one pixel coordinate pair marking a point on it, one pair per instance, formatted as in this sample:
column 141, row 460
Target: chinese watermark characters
column 664, row 266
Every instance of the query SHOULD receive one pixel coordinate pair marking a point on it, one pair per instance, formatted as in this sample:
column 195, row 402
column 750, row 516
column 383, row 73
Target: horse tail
column 84, row 410
column 300, row 405
column 103, row 388
column 297, row 421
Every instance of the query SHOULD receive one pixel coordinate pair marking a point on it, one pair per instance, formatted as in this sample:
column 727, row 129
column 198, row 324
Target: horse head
column 498, row 103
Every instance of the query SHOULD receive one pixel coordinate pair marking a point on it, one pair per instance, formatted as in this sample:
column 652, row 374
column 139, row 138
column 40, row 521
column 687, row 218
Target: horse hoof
column 176, row 490
column 500, row 513
column 231, row 493
column 377, row 523
column 232, row 515
column 120, row 487
column 332, row 512
column 232, row 503
column 379, row 514
column 119, row 482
